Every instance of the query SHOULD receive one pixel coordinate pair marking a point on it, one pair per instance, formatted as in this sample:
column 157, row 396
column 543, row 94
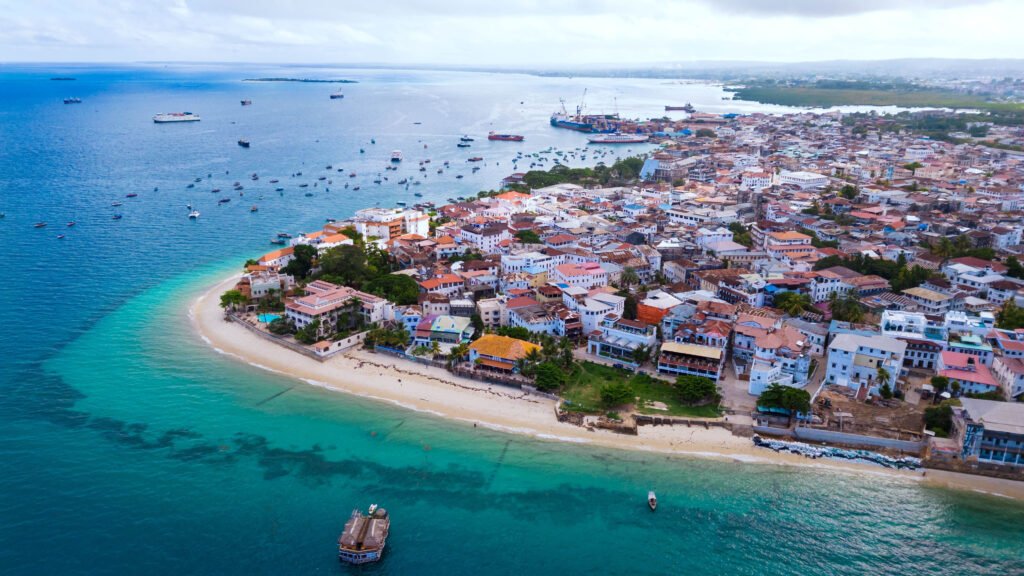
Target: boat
column 116, row 204
column 243, row 143
column 401, row 203
column 39, row 225
column 466, row 139
column 274, row 180
column 652, row 500
column 283, row 235
column 193, row 215
column 355, row 187
column 364, row 537
column 396, row 156
column 246, row 102
column 462, row 145
column 459, row 176
column 475, row 159
column 618, row 138
column 303, row 185
column 254, row 208
column 215, row 190
column 118, row 216
column 686, row 108
column 331, row 220
column 70, row 224
column 309, row 194
column 351, row 174
column 73, row 100
column 131, row 195
column 337, row 96
column 167, row 117
column 504, row 137
column 224, row 200
column 60, row 236
column 277, row 241
column 418, row 194
column 278, row 189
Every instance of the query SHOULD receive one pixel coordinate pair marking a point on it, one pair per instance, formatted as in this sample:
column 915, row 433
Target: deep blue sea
column 129, row 447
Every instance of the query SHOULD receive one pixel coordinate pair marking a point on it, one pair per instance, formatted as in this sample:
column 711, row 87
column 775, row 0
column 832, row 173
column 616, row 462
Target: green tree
column 1011, row 316
column 1014, row 269
column 514, row 332
column 706, row 133
column 308, row 334
column 345, row 265
column 397, row 288
column 616, row 394
column 740, row 234
column 695, row 389
column 303, row 256
column 548, row 376
column 232, row 299
column 849, row 191
column 883, row 374
column 628, row 277
column 280, row 326
column 641, row 354
column 629, row 307
column 528, row 237
column 939, row 419
column 793, row 303
column 786, row 398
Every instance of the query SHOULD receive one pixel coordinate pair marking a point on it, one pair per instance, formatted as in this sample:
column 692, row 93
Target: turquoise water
column 129, row 446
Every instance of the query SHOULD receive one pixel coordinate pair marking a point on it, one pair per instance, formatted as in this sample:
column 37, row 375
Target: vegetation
column 793, row 303
column 308, row 334
column 514, row 332
column 232, row 299
column 548, row 376
column 826, row 93
column 706, row 133
column 792, row 400
column 528, row 237
column 740, row 235
column 280, row 327
column 586, row 380
column 391, row 338
column 939, row 419
column 959, row 247
column 694, row 390
column 621, row 172
column 899, row 275
column 397, row 288
column 616, row 394
column 846, row 308
column 1011, row 316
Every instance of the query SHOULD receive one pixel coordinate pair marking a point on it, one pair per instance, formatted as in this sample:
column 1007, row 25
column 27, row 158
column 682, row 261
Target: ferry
column 618, row 138
column 167, row 117
column 396, row 156
column 337, row 96
column 72, row 100
column 246, row 102
column 364, row 536
column 244, row 144
column 504, row 137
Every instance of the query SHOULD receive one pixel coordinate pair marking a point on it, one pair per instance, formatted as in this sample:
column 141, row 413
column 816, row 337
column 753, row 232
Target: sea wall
column 841, row 438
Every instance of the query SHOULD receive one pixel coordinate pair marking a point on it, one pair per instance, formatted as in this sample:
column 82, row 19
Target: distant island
column 308, row 80
column 826, row 93
column 62, row 79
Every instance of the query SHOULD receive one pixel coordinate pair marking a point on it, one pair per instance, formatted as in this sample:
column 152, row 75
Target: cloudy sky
column 507, row 32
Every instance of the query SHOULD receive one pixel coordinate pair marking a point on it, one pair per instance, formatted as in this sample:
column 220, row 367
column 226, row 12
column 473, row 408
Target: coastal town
column 814, row 278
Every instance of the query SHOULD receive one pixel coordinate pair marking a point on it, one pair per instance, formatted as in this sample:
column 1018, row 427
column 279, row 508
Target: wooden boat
column 652, row 500
column 364, row 537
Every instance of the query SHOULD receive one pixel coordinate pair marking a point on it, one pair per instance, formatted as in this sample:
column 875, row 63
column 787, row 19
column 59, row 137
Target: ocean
column 129, row 446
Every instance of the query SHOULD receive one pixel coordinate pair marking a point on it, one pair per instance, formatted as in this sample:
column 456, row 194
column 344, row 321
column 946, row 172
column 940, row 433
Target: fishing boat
column 396, row 156
column 39, row 225
column 273, row 180
column 278, row 189
column 243, row 143
column 118, row 216
column 254, row 208
column 475, row 159
column 246, row 102
column 116, row 204
column 504, row 137
column 466, row 139
column 652, row 500
column 168, row 117
column 73, row 100
column 283, row 235
column 277, row 241
column 193, row 215
column 309, row 194
column 223, row 200
column 131, row 195
column 418, row 194
column 462, row 145
column 459, row 176
column 337, row 96
column 364, row 537
column 70, row 224
column 60, row 236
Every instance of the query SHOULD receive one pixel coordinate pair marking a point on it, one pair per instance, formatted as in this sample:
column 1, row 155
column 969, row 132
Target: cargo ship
column 591, row 123
column 364, row 536
column 687, row 108
column 175, row 117
column 504, row 137
column 618, row 138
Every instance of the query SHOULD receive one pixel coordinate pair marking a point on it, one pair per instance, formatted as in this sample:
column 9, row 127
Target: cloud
column 833, row 8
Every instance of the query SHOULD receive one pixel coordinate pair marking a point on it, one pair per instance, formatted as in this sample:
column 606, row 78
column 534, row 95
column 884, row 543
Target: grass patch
column 582, row 391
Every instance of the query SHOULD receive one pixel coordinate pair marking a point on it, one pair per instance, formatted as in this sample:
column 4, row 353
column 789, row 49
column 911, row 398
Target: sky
column 553, row 33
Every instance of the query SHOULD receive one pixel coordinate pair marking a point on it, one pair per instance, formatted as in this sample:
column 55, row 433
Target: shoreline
column 435, row 391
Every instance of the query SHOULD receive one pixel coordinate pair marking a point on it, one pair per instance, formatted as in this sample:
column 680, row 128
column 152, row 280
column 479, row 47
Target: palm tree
column 793, row 303
column 435, row 348
column 628, row 277
column 534, row 356
column 883, row 375
column 641, row 355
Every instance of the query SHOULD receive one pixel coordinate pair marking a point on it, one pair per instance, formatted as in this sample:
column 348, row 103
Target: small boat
column 355, row 187
column 60, row 236
column 396, row 156
column 239, row 187
column 459, row 176
column 274, row 180
column 373, row 140
column 322, row 178
column 351, row 174
column 131, row 195
column 337, row 96
column 401, row 203
column 116, row 204
column 118, row 216
column 197, row 180
column 331, row 220
column 303, row 185
column 73, row 100
column 254, row 208
column 309, row 194
column 39, row 225
column 246, row 102
column 652, row 500
column 418, row 194
column 193, row 215
column 224, row 200
column 190, row 186
column 466, row 139
column 504, row 137
column 475, row 159
column 277, row 241
column 462, row 145
column 70, row 224
column 278, row 189
column 243, row 143
column 283, row 235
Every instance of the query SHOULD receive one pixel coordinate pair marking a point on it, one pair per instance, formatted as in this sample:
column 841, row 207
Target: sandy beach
column 438, row 392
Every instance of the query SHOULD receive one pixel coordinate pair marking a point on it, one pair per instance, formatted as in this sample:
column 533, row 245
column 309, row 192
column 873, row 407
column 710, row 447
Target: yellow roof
column 692, row 350
column 503, row 347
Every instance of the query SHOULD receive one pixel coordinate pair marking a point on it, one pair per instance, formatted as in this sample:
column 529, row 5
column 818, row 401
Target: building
column 781, row 356
column 853, row 360
column 617, row 338
column 1009, row 372
column 335, row 307
column 803, row 180
column 679, row 358
column 388, row 223
column 990, row 431
column 501, row 353
column 966, row 370
column 445, row 330
column 930, row 301
column 587, row 275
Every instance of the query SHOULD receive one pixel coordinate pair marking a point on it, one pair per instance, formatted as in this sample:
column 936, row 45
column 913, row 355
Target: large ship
column 687, row 108
column 364, row 536
column 175, row 117
column 592, row 123
column 504, row 137
column 618, row 138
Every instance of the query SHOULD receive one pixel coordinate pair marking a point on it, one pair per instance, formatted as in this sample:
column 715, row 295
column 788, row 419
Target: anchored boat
column 364, row 536
column 652, row 500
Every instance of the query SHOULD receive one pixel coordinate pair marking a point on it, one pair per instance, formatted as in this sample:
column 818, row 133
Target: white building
column 803, row 180
column 388, row 223
column 854, row 360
